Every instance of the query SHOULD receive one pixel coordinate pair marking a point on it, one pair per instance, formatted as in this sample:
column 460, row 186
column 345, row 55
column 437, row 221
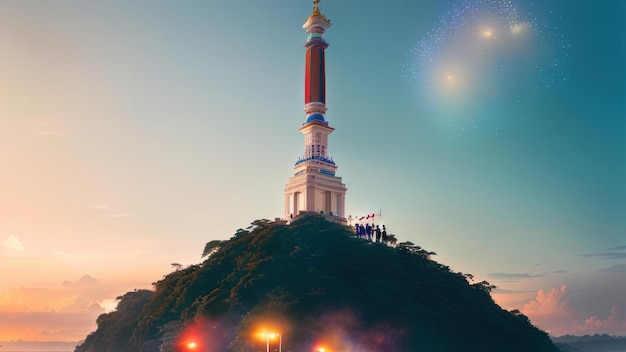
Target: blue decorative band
column 316, row 117
column 316, row 41
column 315, row 157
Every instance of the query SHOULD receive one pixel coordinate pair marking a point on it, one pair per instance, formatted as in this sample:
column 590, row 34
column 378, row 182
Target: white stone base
column 315, row 192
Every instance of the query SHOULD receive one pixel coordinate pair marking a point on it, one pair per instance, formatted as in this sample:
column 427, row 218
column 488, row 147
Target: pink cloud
column 66, row 312
column 83, row 280
column 36, row 299
column 615, row 324
column 553, row 312
column 550, row 310
column 550, row 303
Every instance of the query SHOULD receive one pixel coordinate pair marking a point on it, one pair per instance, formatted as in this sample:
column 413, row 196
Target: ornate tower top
column 316, row 9
column 317, row 19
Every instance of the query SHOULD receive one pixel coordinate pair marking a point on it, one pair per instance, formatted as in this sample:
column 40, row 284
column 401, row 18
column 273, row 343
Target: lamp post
column 272, row 336
column 267, row 340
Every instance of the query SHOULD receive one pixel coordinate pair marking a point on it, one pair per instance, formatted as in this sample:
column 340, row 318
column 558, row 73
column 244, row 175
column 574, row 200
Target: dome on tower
column 315, row 117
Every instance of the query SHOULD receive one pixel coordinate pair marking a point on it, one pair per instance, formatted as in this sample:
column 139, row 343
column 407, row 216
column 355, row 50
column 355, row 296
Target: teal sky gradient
column 132, row 133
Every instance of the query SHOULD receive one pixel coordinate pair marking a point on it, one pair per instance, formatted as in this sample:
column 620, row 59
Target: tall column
column 315, row 73
column 314, row 178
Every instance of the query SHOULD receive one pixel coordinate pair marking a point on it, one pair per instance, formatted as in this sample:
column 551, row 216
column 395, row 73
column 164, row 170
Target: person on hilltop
column 385, row 239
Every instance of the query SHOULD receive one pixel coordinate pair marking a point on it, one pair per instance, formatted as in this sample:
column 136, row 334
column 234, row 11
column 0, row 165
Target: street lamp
column 267, row 340
column 273, row 336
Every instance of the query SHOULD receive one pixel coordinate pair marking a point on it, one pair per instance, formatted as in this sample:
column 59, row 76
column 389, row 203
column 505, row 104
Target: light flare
column 266, row 335
column 192, row 346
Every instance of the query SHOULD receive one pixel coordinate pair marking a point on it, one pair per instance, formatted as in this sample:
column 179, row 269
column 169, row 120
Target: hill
column 594, row 343
column 317, row 285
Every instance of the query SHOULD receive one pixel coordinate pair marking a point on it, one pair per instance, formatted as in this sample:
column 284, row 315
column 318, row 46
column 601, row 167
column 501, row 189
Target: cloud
column 605, row 255
column 52, row 313
column 86, row 279
column 505, row 291
column 611, row 253
column 614, row 324
column 553, row 312
column 77, row 304
column 83, row 280
column 102, row 206
column 37, row 299
column 66, row 311
column 108, row 210
column 13, row 243
column 46, row 326
column 549, row 303
column 619, row 268
column 512, row 276
column 520, row 276
column 618, row 252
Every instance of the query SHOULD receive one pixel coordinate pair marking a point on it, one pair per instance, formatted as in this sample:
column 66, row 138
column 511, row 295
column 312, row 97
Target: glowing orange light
column 266, row 335
column 192, row 345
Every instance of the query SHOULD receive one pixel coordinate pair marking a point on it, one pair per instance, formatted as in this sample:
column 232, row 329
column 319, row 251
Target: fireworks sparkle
column 484, row 53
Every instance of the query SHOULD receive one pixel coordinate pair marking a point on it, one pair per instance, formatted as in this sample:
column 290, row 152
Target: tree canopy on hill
column 317, row 285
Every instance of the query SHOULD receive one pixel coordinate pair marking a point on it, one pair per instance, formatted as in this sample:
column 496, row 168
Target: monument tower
column 314, row 187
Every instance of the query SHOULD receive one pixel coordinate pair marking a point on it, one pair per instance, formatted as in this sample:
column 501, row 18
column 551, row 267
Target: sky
column 491, row 132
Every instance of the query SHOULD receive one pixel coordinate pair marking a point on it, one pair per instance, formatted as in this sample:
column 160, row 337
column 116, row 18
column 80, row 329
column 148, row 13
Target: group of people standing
column 371, row 233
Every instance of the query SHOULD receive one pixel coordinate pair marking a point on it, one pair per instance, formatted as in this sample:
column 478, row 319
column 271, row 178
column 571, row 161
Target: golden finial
column 316, row 7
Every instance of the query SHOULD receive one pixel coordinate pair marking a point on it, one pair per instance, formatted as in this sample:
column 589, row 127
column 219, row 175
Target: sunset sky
column 491, row 132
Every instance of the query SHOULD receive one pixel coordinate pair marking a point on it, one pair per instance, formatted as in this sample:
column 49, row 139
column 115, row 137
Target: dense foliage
column 316, row 284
